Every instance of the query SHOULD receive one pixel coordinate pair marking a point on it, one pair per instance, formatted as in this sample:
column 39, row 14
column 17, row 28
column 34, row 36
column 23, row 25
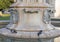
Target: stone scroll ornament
column 47, row 15
column 13, row 19
column 14, row 15
column 46, row 18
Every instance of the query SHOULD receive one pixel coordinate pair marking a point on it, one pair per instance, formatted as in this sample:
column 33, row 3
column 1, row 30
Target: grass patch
column 5, row 17
column 3, row 24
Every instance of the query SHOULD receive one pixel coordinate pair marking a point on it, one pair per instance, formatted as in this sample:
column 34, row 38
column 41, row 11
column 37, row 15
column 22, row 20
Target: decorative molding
column 30, row 11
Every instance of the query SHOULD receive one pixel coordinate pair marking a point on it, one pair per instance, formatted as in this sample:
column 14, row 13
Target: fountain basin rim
column 45, row 35
column 28, row 38
column 29, row 7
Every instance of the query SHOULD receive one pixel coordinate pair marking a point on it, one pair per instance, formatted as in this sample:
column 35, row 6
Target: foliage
column 5, row 17
column 5, row 4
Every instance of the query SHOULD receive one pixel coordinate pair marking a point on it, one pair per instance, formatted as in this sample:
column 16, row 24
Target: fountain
column 33, row 21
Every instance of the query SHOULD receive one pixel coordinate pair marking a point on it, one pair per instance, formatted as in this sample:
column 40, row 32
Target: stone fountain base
column 21, row 34
column 46, row 36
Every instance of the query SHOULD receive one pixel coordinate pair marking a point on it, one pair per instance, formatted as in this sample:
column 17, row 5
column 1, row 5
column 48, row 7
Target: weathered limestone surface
column 29, row 24
column 21, row 34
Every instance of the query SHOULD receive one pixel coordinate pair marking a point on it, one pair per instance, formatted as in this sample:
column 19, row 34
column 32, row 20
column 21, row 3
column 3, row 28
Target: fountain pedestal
column 31, row 21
